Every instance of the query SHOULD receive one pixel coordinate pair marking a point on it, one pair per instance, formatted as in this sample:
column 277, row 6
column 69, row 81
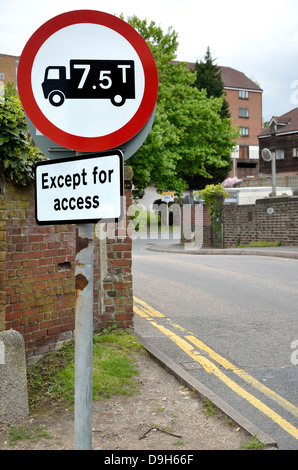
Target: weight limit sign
column 88, row 81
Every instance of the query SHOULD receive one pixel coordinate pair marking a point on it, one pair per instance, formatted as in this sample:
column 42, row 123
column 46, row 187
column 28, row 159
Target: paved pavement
column 172, row 246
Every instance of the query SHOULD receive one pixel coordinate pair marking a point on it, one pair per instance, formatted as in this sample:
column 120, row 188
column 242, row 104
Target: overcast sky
column 258, row 38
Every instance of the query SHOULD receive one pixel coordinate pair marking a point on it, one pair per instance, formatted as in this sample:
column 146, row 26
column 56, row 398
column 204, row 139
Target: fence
column 281, row 181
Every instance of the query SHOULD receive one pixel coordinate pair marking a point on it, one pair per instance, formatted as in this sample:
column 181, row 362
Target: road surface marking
column 210, row 367
column 245, row 376
column 147, row 309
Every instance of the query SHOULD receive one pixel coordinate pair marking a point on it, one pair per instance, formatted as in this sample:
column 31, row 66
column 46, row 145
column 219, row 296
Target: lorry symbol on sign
column 98, row 79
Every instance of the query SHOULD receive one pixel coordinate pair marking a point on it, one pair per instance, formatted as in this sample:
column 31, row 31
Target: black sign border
column 78, row 158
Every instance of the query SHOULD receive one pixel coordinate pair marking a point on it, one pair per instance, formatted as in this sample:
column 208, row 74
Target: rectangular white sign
column 84, row 189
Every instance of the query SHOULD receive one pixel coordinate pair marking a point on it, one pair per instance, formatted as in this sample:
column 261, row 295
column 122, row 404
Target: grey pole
column 83, row 336
column 273, row 170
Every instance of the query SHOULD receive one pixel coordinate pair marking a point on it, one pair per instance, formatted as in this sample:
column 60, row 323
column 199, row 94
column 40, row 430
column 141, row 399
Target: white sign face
column 79, row 190
column 88, row 81
column 86, row 75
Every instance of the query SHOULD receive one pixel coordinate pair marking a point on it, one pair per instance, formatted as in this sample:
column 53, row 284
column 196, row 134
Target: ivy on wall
column 18, row 154
column 212, row 193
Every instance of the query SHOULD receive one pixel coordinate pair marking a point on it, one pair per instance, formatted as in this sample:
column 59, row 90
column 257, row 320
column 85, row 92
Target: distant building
column 281, row 138
column 8, row 69
column 245, row 102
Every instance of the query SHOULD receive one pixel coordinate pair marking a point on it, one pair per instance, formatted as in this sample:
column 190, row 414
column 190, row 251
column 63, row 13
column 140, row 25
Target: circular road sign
column 88, row 81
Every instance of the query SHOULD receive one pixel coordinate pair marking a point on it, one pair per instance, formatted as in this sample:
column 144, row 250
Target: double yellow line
column 187, row 343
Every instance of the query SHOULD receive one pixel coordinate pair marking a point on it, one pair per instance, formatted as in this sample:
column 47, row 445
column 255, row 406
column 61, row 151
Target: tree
column 208, row 77
column 188, row 133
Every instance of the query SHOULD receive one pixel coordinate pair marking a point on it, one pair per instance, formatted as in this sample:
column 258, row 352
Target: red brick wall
column 118, row 295
column 243, row 224
column 188, row 222
column 2, row 262
column 37, row 276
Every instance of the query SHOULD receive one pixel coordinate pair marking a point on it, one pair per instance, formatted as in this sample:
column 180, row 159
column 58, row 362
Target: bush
column 210, row 193
column 17, row 152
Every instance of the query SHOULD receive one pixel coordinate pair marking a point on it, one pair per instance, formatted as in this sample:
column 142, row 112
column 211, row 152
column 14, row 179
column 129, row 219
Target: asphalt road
column 232, row 323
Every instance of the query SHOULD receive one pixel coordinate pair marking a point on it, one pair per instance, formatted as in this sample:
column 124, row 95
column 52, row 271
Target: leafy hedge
column 17, row 152
column 210, row 193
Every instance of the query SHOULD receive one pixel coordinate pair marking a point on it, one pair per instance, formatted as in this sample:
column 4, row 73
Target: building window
column 243, row 113
column 280, row 154
column 1, row 76
column 246, row 165
column 243, row 94
column 295, row 152
column 244, row 131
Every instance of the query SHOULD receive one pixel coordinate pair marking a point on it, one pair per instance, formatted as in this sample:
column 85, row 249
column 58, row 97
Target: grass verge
column 260, row 244
column 114, row 370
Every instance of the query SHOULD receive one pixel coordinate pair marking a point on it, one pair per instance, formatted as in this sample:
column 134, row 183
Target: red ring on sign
column 52, row 132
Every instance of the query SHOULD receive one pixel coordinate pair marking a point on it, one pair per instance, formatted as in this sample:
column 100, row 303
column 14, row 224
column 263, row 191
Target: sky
column 258, row 38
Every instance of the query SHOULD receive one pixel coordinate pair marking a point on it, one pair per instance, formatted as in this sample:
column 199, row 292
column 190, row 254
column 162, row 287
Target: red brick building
column 8, row 69
column 245, row 102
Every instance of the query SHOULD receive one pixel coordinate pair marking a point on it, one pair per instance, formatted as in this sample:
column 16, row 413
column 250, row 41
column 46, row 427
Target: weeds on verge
column 18, row 433
column 51, row 380
column 114, row 370
column 253, row 444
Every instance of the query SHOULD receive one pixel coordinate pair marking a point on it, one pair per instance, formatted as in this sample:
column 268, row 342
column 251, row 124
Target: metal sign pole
column 273, row 171
column 133, row 76
column 83, row 336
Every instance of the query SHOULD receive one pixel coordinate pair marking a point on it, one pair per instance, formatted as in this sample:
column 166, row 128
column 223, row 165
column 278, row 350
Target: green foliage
column 29, row 431
column 188, row 135
column 210, row 192
column 114, row 369
column 253, row 444
column 208, row 77
column 260, row 244
column 17, row 153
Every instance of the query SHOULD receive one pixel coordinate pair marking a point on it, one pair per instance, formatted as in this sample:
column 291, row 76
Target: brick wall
column 2, row 262
column 188, row 225
column 239, row 225
column 37, row 275
column 117, row 293
column 270, row 219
